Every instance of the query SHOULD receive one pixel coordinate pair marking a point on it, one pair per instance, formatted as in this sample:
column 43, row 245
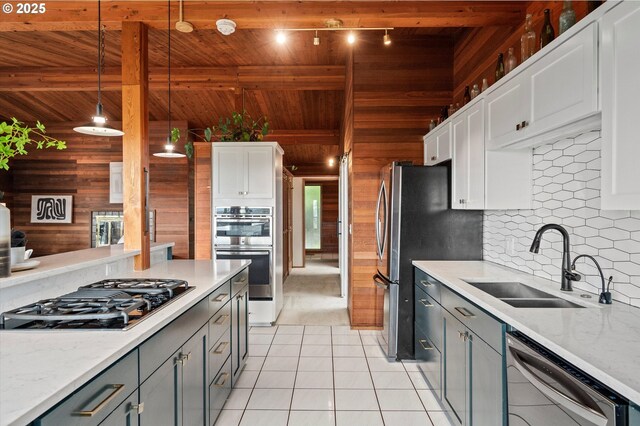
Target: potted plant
column 16, row 136
column 240, row 127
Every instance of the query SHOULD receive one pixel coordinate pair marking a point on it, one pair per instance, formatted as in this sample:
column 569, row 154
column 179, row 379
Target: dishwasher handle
column 527, row 363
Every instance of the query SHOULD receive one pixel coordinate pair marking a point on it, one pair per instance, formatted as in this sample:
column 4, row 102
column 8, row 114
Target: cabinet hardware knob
column 138, row 408
column 465, row 312
column 221, row 347
column 517, row 127
column 117, row 389
column 240, row 193
column 524, row 124
column 434, row 158
column 425, row 283
column 426, row 346
column 426, row 303
column 220, row 297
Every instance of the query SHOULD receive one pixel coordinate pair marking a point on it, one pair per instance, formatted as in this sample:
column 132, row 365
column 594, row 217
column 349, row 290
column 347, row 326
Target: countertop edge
column 178, row 307
column 625, row 390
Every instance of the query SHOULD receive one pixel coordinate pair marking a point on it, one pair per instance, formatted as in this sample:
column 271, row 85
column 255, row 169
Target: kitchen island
column 38, row 369
column 601, row 340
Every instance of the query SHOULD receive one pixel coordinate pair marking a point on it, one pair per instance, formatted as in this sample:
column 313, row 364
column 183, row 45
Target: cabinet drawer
column 427, row 283
column 218, row 354
column 239, row 281
column 219, row 297
column 219, row 391
column 429, row 360
column 155, row 351
column 482, row 324
column 219, row 323
column 429, row 316
column 96, row 400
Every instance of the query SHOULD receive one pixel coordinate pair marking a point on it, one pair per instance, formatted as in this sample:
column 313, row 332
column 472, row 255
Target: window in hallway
column 312, row 217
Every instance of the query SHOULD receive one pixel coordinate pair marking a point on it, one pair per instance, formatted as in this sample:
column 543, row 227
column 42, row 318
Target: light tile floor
column 327, row 375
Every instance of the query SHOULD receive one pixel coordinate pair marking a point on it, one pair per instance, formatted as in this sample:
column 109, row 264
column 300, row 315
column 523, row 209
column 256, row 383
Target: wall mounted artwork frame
column 116, row 183
column 51, row 208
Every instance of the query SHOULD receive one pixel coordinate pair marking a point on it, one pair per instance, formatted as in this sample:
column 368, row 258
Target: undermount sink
column 520, row 295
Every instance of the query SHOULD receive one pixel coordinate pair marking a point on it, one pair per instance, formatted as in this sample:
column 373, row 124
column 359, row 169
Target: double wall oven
column 247, row 233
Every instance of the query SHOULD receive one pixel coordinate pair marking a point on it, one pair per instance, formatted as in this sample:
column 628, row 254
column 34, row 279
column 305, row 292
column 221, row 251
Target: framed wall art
column 51, row 208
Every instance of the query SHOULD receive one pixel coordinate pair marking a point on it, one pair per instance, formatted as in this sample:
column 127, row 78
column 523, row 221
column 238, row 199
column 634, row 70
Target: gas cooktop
column 114, row 304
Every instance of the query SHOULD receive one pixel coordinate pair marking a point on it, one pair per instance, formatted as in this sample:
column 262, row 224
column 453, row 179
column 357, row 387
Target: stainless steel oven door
column 242, row 230
column 260, row 269
column 542, row 393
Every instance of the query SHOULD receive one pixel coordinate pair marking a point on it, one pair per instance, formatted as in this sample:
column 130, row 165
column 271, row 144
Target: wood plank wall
column 202, row 202
column 476, row 50
column 329, row 215
column 396, row 91
column 82, row 170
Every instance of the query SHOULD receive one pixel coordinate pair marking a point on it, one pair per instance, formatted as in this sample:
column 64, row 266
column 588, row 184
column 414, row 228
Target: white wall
column 298, row 222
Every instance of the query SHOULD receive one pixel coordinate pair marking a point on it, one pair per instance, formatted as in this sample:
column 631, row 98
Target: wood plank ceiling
column 298, row 86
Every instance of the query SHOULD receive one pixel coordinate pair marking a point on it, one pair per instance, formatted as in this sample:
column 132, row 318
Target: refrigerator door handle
column 381, row 237
column 381, row 281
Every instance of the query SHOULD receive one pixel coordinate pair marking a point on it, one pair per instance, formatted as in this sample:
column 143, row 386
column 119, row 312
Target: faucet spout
column 567, row 274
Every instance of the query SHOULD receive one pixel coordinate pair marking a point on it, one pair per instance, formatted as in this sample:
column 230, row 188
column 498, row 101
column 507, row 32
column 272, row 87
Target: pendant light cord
column 100, row 52
column 169, row 58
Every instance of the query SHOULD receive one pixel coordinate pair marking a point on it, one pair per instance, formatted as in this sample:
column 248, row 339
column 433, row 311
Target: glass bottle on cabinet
column 527, row 40
column 432, row 125
column 547, row 34
column 500, row 67
column 475, row 91
column 512, row 62
column 467, row 96
column 485, row 84
column 567, row 17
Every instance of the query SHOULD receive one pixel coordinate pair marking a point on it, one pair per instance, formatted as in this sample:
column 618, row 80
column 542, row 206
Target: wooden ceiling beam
column 82, row 15
column 305, row 137
column 304, row 77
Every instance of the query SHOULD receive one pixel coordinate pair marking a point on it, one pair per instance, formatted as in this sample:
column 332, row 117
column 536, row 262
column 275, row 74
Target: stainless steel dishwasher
column 545, row 390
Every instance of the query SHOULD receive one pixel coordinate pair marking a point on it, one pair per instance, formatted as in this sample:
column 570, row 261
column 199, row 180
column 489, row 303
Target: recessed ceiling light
column 281, row 38
column 351, row 38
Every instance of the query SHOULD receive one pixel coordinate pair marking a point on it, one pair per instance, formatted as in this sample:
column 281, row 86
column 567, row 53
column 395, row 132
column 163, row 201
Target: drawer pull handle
column 182, row 358
column 117, row 389
column 221, row 319
column 426, row 303
column 220, row 384
column 221, row 347
column 138, row 408
column 220, row 297
column 241, row 280
column 426, row 283
column 463, row 335
column 465, row 312
column 426, row 346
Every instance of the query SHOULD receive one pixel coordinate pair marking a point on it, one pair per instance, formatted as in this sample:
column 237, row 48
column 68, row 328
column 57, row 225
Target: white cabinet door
column 229, row 172
column 460, row 163
column 468, row 159
column 437, row 145
column 506, row 108
column 259, row 172
column 430, row 150
column 563, row 85
column 620, row 68
column 475, row 172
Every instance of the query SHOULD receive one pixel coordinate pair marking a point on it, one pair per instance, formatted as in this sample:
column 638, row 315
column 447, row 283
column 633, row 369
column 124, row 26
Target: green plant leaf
column 207, row 134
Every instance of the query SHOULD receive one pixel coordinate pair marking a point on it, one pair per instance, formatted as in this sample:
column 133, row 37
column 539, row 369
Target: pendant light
column 169, row 148
column 99, row 127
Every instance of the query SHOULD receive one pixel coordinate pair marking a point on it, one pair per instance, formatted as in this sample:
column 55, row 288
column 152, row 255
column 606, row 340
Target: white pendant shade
column 169, row 152
column 98, row 128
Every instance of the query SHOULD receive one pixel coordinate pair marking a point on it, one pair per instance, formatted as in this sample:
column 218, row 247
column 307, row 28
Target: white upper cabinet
column 620, row 91
column 437, row 145
column 244, row 171
column 468, row 158
column 556, row 96
column 563, row 85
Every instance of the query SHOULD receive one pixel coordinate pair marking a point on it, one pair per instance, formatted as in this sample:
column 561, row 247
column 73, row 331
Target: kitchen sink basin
column 519, row 295
column 511, row 290
column 556, row 302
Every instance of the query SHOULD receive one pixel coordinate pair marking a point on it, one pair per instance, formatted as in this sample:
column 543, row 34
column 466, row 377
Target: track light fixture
column 333, row 25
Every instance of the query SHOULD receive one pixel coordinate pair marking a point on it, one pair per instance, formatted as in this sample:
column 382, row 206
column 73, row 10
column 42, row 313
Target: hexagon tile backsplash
column 566, row 188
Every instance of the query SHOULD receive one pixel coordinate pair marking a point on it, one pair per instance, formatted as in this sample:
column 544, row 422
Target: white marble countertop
column 63, row 263
column 601, row 340
column 40, row 368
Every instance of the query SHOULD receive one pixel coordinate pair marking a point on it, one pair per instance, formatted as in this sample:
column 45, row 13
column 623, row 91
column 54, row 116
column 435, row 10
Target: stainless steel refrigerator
column 414, row 221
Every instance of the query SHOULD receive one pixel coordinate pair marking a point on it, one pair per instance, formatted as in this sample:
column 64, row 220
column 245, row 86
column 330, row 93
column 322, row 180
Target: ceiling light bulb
column 281, row 38
column 331, row 162
column 99, row 119
column 351, row 38
column 316, row 40
column 387, row 38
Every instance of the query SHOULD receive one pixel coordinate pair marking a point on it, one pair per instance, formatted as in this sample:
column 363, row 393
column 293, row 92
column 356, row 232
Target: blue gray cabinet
column 239, row 326
column 195, row 383
column 159, row 394
column 460, row 351
column 126, row 414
